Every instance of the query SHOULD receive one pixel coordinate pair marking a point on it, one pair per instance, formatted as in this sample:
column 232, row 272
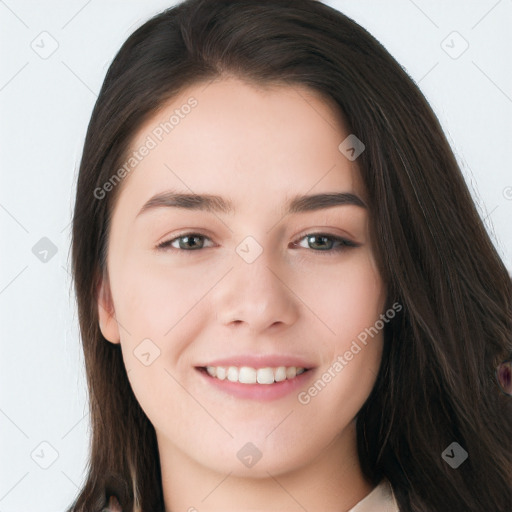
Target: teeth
column 265, row 376
column 291, row 372
column 248, row 375
column 233, row 374
column 280, row 374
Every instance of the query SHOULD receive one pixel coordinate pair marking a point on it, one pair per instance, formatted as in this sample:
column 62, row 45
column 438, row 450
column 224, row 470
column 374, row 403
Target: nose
column 255, row 296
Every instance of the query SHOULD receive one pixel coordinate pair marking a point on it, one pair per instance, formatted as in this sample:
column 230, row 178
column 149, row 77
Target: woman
column 286, row 296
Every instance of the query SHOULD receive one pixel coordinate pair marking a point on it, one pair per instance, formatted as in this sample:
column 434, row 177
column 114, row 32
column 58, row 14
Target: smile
column 249, row 375
column 261, row 384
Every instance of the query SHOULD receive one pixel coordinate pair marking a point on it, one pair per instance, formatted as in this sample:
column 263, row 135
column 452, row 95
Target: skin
column 257, row 147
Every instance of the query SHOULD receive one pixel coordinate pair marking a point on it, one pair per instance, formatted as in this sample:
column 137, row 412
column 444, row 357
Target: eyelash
column 344, row 243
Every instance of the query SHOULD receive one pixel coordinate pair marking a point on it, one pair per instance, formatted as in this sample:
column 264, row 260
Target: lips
column 257, row 377
column 259, row 361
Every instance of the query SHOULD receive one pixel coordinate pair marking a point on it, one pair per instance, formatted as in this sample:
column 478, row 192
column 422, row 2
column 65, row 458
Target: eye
column 185, row 242
column 321, row 242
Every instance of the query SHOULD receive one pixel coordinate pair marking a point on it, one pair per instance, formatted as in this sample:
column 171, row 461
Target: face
column 252, row 286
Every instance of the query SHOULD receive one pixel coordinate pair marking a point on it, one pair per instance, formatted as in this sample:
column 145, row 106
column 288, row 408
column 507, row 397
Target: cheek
column 350, row 304
column 154, row 296
column 161, row 309
column 341, row 387
column 346, row 298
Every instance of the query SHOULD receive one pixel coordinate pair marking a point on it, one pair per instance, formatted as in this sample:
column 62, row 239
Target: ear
column 106, row 313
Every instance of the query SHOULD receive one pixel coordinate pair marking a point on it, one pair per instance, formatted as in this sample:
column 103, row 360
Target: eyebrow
column 217, row 204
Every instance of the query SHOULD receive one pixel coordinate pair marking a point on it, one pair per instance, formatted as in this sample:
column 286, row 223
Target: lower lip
column 262, row 392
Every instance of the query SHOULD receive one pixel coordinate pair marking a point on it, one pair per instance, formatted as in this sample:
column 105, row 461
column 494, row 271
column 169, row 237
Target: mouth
column 255, row 383
column 249, row 375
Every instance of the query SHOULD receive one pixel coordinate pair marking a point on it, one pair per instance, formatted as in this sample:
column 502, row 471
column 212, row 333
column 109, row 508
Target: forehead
column 243, row 141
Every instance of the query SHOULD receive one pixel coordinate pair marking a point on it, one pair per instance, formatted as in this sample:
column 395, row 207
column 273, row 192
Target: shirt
column 381, row 499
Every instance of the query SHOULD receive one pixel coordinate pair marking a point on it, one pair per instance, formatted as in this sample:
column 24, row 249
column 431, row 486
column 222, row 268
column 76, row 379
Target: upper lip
column 259, row 361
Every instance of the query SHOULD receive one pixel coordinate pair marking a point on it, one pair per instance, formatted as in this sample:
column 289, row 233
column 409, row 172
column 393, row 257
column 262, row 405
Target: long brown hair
column 436, row 384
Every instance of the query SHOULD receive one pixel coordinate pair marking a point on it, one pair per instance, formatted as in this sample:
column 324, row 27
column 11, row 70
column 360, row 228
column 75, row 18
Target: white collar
column 381, row 499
